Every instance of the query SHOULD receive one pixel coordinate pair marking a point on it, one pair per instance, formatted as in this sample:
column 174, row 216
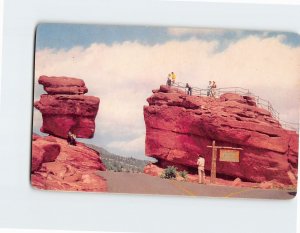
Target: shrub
column 109, row 167
column 169, row 173
column 183, row 174
column 162, row 175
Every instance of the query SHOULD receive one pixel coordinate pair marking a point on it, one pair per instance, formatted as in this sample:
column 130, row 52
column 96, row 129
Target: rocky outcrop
column 180, row 127
column 65, row 108
column 43, row 152
column 56, row 165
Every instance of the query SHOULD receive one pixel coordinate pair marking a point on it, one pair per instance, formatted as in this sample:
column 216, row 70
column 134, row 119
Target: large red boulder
column 62, row 113
column 180, row 127
column 73, row 168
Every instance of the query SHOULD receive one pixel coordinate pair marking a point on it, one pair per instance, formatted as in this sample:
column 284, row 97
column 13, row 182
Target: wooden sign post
column 213, row 163
column 229, row 154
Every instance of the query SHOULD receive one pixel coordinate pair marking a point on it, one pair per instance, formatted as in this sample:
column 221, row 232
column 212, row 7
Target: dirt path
column 123, row 182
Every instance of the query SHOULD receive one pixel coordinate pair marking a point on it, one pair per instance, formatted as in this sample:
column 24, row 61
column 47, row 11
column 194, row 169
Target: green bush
column 183, row 174
column 169, row 173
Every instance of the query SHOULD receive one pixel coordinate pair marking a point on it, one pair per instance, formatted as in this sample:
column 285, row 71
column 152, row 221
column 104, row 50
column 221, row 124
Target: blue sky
column 66, row 36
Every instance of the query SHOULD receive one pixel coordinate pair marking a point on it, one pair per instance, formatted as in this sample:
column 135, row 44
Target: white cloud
column 123, row 75
column 37, row 120
column 131, row 147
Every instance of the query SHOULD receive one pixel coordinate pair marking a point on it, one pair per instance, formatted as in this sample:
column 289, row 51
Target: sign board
column 229, row 155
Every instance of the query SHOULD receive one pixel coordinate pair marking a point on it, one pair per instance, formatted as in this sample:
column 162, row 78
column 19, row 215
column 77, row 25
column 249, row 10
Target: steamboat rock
column 180, row 127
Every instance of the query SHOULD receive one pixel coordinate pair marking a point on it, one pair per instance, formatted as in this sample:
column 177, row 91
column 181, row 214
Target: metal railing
column 265, row 104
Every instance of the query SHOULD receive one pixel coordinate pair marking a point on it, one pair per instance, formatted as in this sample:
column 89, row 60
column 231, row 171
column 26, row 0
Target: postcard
column 166, row 111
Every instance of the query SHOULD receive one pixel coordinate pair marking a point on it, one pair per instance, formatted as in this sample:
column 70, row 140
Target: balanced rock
column 180, row 127
column 56, row 165
column 67, row 111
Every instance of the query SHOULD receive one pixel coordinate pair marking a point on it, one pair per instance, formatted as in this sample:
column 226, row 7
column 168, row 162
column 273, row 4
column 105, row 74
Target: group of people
column 211, row 89
column 171, row 78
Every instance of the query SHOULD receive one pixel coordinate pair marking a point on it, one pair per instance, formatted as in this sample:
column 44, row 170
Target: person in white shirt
column 213, row 89
column 209, row 91
column 201, row 173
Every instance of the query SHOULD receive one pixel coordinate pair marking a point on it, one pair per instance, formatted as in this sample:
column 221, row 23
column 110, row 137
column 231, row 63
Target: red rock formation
column 63, row 85
column 56, row 165
column 73, row 168
column 180, row 127
column 65, row 108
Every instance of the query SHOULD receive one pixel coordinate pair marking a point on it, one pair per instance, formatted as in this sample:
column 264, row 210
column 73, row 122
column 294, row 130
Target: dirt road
column 123, row 182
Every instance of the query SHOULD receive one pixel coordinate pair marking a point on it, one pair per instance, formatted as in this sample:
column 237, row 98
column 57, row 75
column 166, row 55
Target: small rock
column 153, row 170
column 237, row 182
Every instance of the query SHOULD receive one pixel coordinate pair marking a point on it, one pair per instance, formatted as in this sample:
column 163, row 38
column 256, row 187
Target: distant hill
column 119, row 163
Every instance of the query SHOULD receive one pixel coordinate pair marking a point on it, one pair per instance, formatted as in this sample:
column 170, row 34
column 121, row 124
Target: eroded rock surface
column 63, row 85
column 180, row 127
column 73, row 168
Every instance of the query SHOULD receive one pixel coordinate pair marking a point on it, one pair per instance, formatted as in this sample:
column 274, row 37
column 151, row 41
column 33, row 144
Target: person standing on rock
column 201, row 173
column 209, row 92
column 189, row 89
column 213, row 89
column 169, row 82
column 173, row 77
